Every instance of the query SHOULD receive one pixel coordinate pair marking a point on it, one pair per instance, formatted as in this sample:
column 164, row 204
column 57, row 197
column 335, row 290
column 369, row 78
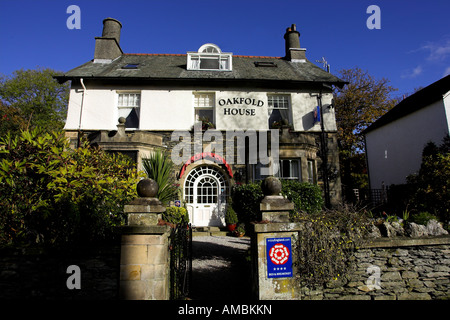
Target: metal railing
column 180, row 246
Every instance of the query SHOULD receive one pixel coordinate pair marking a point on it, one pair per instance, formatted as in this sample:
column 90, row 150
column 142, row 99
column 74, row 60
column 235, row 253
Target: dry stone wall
column 394, row 270
column 37, row 273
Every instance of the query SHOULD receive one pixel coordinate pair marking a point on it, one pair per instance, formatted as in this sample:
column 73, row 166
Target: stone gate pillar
column 273, row 247
column 144, row 256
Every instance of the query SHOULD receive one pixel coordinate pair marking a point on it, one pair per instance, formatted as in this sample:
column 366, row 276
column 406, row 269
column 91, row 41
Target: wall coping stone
column 154, row 229
column 277, row 227
column 407, row 242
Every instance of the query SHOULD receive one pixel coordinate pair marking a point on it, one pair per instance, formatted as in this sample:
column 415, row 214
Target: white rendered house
column 394, row 143
column 244, row 101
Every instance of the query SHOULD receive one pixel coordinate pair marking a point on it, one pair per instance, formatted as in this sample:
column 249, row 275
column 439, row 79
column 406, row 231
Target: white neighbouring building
column 394, row 143
column 159, row 95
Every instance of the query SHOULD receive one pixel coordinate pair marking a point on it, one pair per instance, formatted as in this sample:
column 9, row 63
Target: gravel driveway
column 220, row 269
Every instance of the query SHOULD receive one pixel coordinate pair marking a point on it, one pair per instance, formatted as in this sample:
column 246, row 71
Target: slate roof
column 414, row 102
column 173, row 67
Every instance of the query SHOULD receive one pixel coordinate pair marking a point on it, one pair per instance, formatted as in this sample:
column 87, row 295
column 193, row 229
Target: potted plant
column 231, row 218
column 206, row 123
column 240, row 230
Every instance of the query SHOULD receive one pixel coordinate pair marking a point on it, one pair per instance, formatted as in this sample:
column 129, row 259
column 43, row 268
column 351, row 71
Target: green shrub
column 432, row 183
column 422, row 218
column 247, row 197
column 230, row 215
column 52, row 194
column 306, row 197
column 176, row 215
column 246, row 200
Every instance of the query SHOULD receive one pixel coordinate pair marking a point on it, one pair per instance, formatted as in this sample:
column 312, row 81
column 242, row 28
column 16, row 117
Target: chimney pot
column 111, row 29
column 107, row 47
column 292, row 41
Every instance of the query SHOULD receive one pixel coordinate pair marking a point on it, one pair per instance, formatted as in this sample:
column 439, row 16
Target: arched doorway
column 205, row 192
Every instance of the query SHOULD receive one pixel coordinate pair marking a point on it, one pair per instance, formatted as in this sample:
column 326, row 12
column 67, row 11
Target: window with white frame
column 289, row 169
column 285, row 169
column 209, row 57
column 204, row 108
column 128, row 104
column 311, row 178
column 279, row 107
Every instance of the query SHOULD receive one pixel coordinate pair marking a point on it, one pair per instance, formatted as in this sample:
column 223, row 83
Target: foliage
column 247, row 198
column 230, row 215
column 175, row 215
column 326, row 243
column 358, row 104
column 31, row 99
column 422, row 218
column 159, row 168
column 240, row 230
column 432, row 183
column 206, row 123
column 11, row 119
column 306, row 197
column 51, row 194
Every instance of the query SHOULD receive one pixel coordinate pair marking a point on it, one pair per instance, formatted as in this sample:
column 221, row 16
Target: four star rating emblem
column 279, row 257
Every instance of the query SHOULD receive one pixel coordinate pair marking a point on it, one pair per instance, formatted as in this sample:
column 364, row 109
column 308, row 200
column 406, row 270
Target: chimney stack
column 293, row 51
column 107, row 47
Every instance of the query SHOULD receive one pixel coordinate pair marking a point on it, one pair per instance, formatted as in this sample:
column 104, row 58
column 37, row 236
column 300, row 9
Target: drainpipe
column 324, row 152
column 81, row 112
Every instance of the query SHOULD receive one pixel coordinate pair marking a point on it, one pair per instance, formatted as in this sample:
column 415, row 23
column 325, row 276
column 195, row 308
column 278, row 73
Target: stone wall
column 144, row 264
column 37, row 273
column 394, row 269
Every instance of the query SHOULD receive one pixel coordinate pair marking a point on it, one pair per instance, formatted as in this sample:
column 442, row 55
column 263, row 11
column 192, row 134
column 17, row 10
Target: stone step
column 210, row 231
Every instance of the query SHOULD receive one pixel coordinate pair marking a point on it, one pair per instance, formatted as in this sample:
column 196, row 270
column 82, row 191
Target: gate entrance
column 205, row 191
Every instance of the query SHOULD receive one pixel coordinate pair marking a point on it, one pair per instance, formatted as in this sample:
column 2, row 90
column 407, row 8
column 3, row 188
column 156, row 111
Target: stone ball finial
column 271, row 186
column 122, row 120
column 147, row 188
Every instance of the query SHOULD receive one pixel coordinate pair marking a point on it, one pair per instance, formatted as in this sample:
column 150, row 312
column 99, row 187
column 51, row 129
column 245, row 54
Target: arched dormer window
column 209, row 48
column 209, row 57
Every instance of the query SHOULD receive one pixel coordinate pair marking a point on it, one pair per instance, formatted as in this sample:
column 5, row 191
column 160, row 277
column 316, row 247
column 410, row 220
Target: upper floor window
column 204, row 109
column 279, row 110
column 129, row 104
column 209, row 57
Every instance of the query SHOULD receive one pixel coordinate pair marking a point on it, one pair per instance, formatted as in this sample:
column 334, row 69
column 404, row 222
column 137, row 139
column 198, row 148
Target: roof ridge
column 154, row 54
column 259, row 57
column 183, row 54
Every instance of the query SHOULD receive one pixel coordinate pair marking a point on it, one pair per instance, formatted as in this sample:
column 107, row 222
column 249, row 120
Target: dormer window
column 209, row 57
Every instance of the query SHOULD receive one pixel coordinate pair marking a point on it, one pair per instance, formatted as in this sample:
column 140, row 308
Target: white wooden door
column 205, row 195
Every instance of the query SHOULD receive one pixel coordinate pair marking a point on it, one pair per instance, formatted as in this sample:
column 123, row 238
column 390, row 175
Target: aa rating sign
column 279, row 257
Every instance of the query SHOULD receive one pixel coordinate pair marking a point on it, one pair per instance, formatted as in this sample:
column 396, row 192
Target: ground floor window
column 285, row 169
column 289, row 169
column 311, row 171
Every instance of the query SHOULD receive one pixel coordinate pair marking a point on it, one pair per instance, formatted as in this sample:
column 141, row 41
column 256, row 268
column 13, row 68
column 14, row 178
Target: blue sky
column 411, row 49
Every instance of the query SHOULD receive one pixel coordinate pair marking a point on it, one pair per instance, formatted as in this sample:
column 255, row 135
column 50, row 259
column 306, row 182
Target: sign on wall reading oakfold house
column 247, row 102
column 279, row 257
